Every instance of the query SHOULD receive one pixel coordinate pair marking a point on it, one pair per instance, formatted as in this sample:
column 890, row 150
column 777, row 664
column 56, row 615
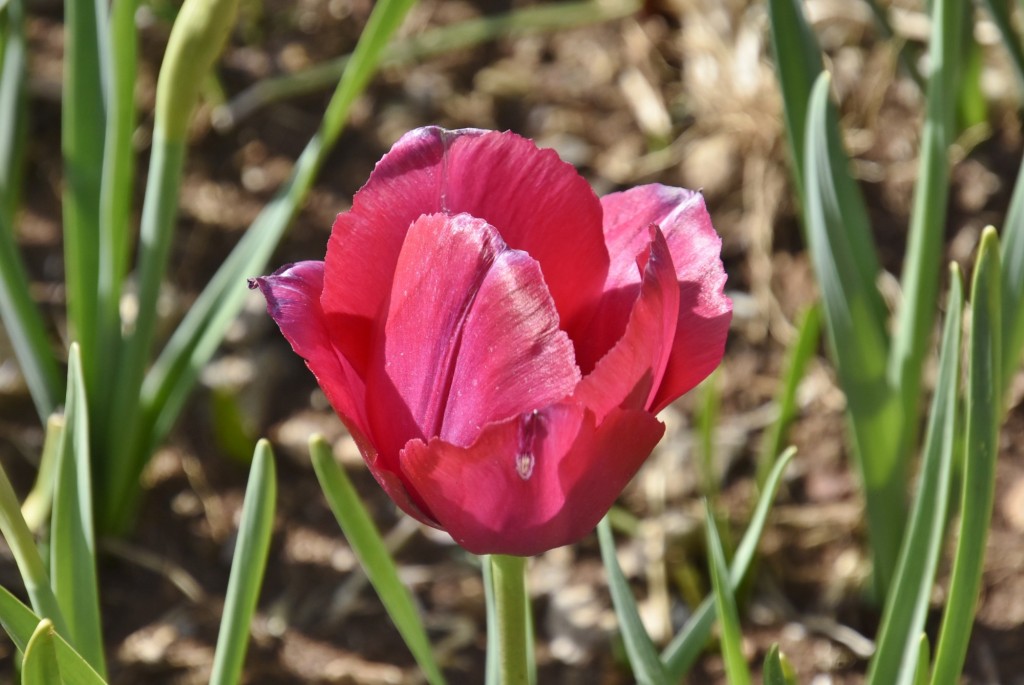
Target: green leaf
column 923, row 660
column 1013, row 283
column 839, row 240
column 20, row 623
column 798, row 62
column 247, row 567
column 643, row 657
column 736, row 669
column 799, row 355
column 777, row 669
column 72, row 540
column 906, row 607
column 365, row 540
column 984, row 410
column 684, row 649
column 40, row 666
column 39, row 502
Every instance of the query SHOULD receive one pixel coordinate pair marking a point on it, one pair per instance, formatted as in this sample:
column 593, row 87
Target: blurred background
column 681, row 92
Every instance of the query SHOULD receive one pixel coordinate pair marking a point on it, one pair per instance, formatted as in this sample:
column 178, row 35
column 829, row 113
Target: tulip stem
column 512, row 611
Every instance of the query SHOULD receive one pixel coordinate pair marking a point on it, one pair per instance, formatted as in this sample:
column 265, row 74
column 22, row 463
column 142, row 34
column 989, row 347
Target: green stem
column 510, row 602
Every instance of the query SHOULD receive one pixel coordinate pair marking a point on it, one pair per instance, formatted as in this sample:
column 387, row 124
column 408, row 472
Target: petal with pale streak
column 533, row 482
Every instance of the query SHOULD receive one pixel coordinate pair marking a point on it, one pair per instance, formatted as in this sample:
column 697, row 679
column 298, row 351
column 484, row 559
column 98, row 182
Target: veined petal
column 534, row 482
column 704, row 310
column 538, row 203
column 293, row 301
column 630, row 374
column 471, row 337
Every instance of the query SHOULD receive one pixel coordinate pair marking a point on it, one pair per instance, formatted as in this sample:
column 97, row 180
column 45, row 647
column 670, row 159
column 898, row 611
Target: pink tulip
column 498, row 340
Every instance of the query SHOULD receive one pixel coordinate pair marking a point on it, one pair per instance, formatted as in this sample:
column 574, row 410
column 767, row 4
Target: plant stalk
column 510, row 602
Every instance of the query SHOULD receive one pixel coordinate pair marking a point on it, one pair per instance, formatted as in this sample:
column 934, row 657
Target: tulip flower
column 498, row 340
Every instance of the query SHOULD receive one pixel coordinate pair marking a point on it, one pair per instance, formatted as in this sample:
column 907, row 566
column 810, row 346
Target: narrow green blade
column 643, row 657
column 923, row 661
column 20, row 623
column 837, row 232
column 1013, row 283
column 72, row 540
column 686, row 646
column 40, row 666
column 984, row 410
column 777, row 670
column 736, row 669
column 906, row 607
column 368, row 546
column 247, row 567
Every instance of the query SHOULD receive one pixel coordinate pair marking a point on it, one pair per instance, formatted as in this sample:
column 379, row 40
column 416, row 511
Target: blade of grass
column 26, row 556
column 197, row 337
column 837, row 231
column 799, row 355
column 40, row 666
column 923, row 660
column 20, row 316
column 984, row 410
column 83, row 130
column 20, row 623
column 247, row 567
column 72, row 540
column 798, row 62
column 39, row 502
column 920, row 278
column 1013, row 284
column 736, row 669
column 777, row 669
column 643, row 657
column 687, row 645
column 373, row 556
column 197, row 38
column 906, row 607
column 431, row 43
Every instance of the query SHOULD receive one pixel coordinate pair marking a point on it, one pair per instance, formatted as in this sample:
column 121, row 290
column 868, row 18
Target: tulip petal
column 471, row 337
column 631, row 373
column 534, row 482
column 704, row 310
column 293, row 301
column 538, row 203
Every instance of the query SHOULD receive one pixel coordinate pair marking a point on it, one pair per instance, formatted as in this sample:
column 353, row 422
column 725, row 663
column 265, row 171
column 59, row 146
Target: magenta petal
column 471, row 337
column 537, row 202
column 704, row 310
column 293, row 301
column 534, row 482
column 631, row 372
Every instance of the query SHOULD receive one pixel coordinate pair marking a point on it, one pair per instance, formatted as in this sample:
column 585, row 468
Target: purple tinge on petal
column 532, row 483
column 470, row 337
column 704, row 310
column 538, row 203
column 293, row 301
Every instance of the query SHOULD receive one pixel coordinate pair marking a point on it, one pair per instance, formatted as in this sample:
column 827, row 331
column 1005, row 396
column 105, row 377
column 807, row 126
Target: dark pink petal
column 471, row 337
column 293, row 301
column 538, row 203
column 704, row 310
column 534, row 482
column 631, row 372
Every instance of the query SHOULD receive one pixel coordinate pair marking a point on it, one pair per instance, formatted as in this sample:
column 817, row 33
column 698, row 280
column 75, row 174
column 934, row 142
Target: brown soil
column 683, row 94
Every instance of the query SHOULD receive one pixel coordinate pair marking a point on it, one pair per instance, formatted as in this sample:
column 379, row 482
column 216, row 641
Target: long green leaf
column 39, row 502
column 197, row 337
column 736, row 669
column 20, row 623
column 72, row 540
column 839, row 239
column 40, row 666
column 777, row 670
column 686, row 646
column 906, row 607
column 984, row 410
column 20, row 316
column 798, row 62
column 247, row 567
column 1013, row 283
column 368, row 546
column 920, row 278
column 643, row 657
column 923, row 660
column 83, row 125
